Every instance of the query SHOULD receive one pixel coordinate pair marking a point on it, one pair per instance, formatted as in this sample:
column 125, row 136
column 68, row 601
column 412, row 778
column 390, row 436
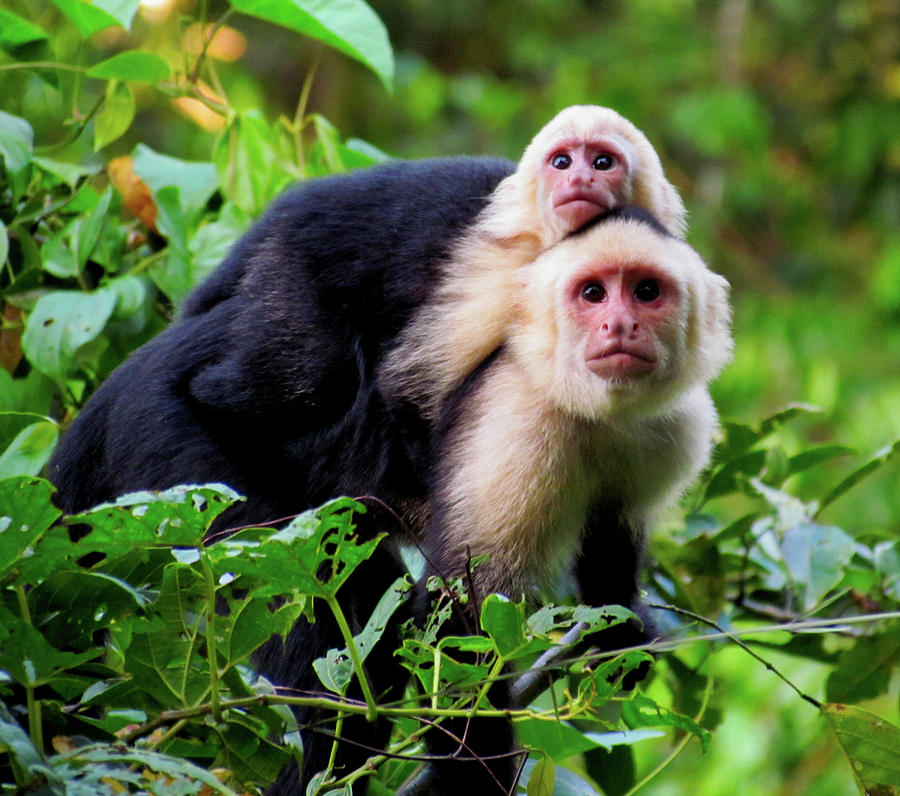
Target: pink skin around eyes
column 578, row 190
column 623, row 320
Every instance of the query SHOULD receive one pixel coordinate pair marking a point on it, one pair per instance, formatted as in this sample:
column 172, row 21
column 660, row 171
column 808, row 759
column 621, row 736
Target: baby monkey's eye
column 593, row 292
column 647, row 290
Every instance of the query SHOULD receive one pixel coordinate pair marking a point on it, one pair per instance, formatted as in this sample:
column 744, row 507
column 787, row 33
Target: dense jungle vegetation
column 138, row 141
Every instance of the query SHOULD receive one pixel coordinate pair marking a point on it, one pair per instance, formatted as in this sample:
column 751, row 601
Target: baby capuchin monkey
column 584, row 162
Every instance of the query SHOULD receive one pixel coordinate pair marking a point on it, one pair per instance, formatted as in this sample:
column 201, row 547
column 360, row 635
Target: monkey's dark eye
column 647, row 290
column 603, row 162
column 593, row 292
column 561, row 162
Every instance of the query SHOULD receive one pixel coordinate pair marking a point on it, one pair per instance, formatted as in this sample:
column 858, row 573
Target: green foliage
column 137, row 664
column 777, row 123
column 85, row 281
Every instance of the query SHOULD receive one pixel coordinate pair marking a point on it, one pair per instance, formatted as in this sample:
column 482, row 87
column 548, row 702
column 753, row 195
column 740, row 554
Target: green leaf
column 335, row 670
column 29, row 451
column 815, row 556
column 556, row 739
column 134, row 65
column 248, row 159
column 872, row 746
column 350, row 26
column 887, row 561
column 880, row 459
column 541, row 780
column 16, row 142
column 211, row 243
column 328, row 137
column 727, row 478
column 61, row 323
column 56, row 256
column 69, row 606
column 116, row 116
column 69, row 173
column 608, row 740
column 25, row 515
column 25, row 757
column 173, row 275
column 315, row 553
column 565, row 782
column 99, row 758
column 504, row 622
column 605, row 679
column 27, row 655
column 641, row 711
column 864, row 671
column 4, row 244
column 90, row 18
column 177, row 516
column 88, row 233
column 15, row 31
column 810, row 458
column 771, row 424
column 131, row 295
column 196, row 180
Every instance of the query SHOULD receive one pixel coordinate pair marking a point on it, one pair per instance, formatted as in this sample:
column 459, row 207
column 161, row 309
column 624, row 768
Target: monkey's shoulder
column 399, row 219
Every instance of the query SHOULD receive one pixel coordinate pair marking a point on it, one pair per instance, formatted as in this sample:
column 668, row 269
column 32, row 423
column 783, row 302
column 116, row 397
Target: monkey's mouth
column 620, row 362
column 581, row 206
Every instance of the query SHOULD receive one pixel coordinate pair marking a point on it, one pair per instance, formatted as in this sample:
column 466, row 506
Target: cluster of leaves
column 136, row 665
column 96, row 255
column 131, row 648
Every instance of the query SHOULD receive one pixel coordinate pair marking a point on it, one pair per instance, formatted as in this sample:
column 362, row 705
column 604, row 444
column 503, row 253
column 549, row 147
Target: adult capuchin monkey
column 288, row 377
column 562, row 448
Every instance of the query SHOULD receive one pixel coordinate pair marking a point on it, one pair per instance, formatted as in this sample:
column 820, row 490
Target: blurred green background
column 780, row 124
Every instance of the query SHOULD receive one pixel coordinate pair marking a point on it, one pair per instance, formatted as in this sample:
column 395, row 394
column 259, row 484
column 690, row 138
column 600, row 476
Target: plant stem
column 33, row 706
column 371, row 707
column 215, row 705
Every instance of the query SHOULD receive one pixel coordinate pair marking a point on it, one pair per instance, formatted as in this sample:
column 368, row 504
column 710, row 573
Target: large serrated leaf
column 25, row 514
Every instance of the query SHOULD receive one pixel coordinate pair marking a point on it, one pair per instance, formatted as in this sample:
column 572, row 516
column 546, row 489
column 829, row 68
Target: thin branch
column 733, row 637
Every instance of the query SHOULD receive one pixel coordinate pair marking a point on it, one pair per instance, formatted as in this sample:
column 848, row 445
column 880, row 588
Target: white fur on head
column 694, row 344
column 512, row 208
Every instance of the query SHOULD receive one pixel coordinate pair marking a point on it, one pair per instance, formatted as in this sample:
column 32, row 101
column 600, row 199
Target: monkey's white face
column 624, row 311
column 582, row 177
column 619, row 320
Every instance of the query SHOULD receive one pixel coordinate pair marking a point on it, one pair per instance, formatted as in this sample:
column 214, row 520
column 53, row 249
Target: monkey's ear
column 654, row 192
column 717, row 322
